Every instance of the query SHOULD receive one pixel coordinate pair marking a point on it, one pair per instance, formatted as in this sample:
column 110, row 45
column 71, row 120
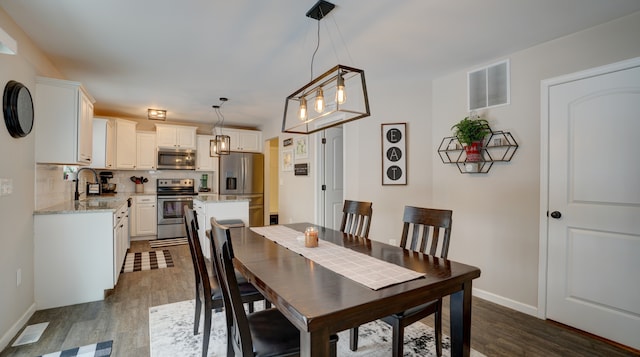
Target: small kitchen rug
column 171, row 334
column 160, row 243
column 100, row 349
column 155, row 259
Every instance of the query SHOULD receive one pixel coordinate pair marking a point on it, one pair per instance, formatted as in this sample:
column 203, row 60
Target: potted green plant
column 470, row 132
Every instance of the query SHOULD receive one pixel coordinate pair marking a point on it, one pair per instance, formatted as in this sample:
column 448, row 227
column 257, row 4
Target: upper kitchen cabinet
column 175, row 136
column 104, row 144
column 146, row 150
column 244, row 140
column 126, row 144
column 204, row 162
column 63, row 122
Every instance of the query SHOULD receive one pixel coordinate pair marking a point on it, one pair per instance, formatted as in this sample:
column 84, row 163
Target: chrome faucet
column 76, row 196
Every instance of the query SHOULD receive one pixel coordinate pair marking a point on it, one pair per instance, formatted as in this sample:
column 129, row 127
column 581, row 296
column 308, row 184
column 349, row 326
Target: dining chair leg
column 267, row 304
column 438, row 328
column 251, row 307
column 353, row 339
column 207, row 328
column 196, row 322
column 397, row 344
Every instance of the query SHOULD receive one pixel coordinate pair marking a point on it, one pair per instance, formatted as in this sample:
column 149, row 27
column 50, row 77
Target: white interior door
column 593, row 248
column 331, row 176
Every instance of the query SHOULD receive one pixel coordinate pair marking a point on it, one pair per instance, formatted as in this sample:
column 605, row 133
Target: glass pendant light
column 302, row 113
column 341, row 94
column 319, row 106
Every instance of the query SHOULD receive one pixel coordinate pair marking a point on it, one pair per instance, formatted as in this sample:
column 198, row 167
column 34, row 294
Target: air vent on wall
column 488, row 86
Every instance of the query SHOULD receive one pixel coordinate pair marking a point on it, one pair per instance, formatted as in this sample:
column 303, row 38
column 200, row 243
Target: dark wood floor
column 124, row 318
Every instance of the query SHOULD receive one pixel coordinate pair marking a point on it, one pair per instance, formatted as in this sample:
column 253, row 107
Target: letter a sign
column 394, row 154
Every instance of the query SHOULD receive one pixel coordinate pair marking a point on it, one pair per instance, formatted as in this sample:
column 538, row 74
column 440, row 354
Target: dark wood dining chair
column 262, row 333
column 356, row 218
column 207, row 287
column 424, row 230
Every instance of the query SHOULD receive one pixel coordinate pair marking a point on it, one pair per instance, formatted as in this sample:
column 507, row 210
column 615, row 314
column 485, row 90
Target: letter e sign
column 394, row 154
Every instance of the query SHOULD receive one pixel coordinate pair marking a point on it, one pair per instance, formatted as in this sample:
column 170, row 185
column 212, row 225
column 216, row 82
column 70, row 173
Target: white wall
column 17, row 164
column 496, row 216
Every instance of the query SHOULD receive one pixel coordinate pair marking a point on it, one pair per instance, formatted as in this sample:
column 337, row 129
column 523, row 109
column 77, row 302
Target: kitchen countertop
column 219, row 198
column 107, row 203
column 84, row 206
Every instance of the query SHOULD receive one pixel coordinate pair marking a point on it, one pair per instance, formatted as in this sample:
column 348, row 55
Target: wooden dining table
column 320, row 302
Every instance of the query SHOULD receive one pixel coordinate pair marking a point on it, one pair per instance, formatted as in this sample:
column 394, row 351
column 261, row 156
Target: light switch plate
column 6, row 186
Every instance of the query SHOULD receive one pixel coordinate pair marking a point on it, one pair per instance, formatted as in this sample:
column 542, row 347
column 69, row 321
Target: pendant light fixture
column 222, row 143
column 332, row 84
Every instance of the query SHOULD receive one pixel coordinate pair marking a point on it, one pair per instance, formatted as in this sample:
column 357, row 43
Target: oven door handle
column 170, row 198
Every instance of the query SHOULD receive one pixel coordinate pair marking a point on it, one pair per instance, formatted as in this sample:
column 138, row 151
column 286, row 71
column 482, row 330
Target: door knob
column 556, row 214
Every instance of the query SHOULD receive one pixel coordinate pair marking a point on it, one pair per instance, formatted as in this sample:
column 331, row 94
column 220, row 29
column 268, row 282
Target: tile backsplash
column 52, row 189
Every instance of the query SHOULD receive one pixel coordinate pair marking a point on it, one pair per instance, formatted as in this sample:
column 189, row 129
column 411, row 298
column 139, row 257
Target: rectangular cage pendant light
column 223, row 144
column 336, row 97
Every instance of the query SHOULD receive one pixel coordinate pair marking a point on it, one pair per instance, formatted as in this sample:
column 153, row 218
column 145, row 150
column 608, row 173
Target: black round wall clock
column 17, row 107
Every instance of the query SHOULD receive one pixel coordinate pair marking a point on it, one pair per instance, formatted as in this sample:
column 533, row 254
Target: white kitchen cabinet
column 125, row 144
column 175, row 136
column 204, row 162
column 103, row 144
column 121, row 239
column 77, row 256
column 63, row 122
column 145, row 150
column 144, row 214
column 208, row 206
column 244, row 140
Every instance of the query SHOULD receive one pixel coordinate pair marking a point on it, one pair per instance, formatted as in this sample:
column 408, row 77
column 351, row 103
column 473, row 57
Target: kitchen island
column 222, row 209
column 79, row 248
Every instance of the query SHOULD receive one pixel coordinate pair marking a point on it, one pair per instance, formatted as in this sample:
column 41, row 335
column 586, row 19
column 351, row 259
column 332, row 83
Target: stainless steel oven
column 173, row 195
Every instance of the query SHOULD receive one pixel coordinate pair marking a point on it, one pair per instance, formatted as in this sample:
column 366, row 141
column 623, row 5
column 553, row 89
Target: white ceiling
column 183, row 55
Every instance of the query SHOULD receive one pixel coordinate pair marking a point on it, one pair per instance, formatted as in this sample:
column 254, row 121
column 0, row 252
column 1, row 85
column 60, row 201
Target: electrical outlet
column 19, row 277
column 393, row 242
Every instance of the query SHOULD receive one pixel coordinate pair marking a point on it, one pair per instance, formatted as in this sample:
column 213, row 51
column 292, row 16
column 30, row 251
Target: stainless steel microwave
column 176, row 159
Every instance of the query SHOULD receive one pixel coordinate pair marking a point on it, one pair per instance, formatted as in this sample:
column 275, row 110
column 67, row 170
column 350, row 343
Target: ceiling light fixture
column 156, row 114
column 222, row 142
column 331, row 84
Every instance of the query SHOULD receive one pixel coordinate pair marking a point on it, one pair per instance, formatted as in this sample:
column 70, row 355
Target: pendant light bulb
column 302, row 112
column 341, row 94
column 319, row 106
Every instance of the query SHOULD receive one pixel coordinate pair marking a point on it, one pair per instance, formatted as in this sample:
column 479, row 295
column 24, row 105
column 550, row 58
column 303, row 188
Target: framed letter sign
column 394, row 154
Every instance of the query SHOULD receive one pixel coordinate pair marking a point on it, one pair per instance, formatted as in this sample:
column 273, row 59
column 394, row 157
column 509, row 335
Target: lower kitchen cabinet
column 78, row 255
column 121, row 240
column 209, row 206
column 144, row 213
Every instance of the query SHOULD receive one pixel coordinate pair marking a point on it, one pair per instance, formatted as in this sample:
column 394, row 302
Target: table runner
column 361, row 268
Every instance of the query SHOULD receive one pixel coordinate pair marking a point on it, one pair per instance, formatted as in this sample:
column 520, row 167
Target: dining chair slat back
column 356, row 218
column 427, row 224
column 208, row 290
column 261, row 333
column 423, row 223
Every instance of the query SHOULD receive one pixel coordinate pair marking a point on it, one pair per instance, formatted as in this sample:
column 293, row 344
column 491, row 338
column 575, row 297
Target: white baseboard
column 506, row 302
column 13, row 331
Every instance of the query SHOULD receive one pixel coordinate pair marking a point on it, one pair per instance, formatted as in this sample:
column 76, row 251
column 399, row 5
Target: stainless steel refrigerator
column 242, row 176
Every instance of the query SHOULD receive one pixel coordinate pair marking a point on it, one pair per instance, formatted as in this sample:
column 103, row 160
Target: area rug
column 100, row 349
column 154, row 259
column 160, row 243
column 171, row 334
